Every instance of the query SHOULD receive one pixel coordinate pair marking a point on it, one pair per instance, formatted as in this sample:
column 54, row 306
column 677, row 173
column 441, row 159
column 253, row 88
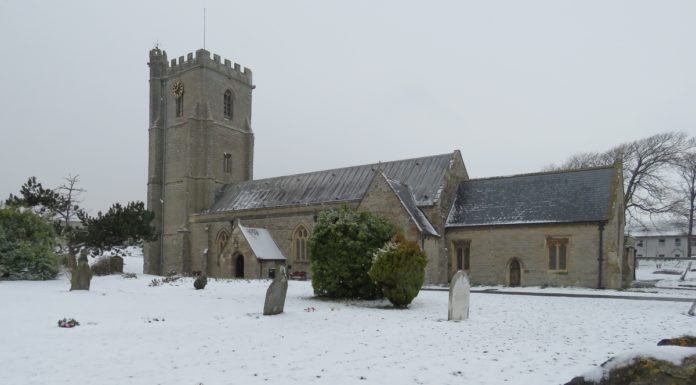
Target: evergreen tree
column 27, row 245
column 341, row 248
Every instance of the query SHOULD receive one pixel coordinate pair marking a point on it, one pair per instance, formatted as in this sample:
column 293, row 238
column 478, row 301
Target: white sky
column 515, row 85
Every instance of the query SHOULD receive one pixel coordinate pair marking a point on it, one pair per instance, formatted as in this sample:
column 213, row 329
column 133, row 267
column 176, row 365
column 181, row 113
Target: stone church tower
column 200, row 138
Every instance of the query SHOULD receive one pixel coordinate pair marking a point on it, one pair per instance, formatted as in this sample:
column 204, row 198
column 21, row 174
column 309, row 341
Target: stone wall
column 493, row 248
column 186, row 153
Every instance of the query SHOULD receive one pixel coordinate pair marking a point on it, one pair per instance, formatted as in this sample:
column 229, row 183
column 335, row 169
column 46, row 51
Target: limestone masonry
column 561, row 228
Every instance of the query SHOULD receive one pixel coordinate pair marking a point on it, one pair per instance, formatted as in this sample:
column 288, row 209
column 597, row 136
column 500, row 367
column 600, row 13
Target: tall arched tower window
column 227, row 104
column 180, row 106
column 227, row 163
column 299, row 244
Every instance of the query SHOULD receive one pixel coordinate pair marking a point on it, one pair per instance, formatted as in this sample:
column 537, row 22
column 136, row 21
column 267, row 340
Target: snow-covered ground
column 132, row 333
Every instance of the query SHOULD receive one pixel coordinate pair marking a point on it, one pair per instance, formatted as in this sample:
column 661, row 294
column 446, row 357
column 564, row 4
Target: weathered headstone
column 692, row 311
column 459, row 297
column 82, row 275
column 275, row 295
column 116, row 264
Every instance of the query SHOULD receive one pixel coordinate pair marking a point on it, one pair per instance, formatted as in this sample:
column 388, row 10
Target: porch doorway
column 239, row 267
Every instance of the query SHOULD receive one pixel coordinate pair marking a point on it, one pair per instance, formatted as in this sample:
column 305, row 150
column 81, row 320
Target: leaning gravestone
column 692, row 311
column 459, row 297
column 82, row 274
column 275, row 295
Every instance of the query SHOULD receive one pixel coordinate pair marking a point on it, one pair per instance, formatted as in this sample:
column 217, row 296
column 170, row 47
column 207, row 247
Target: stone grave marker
column 459, row 297
column 82, row 275
column 275, row 295
column 116, row 263
column 692, row 311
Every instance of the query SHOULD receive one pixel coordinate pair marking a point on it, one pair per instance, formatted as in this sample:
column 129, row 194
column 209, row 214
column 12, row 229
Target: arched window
column 299, row 244
column 227, row 163
column 221, row 242
column 180, row 106
column 227, row 104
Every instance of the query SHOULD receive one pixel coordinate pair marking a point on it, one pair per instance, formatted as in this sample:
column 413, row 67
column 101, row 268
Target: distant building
column 557, row 228
column 661, row 241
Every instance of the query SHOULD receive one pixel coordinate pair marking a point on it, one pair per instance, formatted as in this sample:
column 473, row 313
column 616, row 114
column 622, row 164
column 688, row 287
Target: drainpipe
column 163, row 114
column 600, row 258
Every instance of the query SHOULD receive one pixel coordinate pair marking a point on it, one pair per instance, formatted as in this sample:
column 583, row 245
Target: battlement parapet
column 202, row 58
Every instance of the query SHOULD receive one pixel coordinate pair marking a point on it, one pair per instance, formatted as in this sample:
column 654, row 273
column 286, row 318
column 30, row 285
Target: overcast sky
column 515, row 85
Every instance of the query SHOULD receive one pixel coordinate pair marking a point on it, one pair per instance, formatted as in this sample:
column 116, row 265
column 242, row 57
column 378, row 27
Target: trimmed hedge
column 399, row 269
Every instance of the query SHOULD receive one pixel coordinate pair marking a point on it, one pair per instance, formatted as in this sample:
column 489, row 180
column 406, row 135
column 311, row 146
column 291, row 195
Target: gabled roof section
column 261, row 243
column 424, row 176
column 403, row 192
column 556, row 197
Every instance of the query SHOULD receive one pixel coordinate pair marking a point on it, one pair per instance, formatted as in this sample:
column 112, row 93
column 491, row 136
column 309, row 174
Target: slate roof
column 262, row 243
column 425, row 177
column 558, row 197
column 409, row 202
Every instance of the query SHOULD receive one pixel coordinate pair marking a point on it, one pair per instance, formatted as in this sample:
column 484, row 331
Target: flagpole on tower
column 203, row 28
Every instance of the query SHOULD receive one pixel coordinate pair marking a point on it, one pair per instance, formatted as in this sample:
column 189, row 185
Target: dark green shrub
column 341, row 249
column 399, row 269
column 200, row 282
column 27, row 245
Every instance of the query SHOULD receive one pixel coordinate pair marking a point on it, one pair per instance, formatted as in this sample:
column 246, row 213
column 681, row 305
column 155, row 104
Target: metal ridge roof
column 424, row 176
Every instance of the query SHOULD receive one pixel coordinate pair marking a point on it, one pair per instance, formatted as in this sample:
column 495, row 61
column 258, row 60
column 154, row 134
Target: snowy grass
column 172, row 334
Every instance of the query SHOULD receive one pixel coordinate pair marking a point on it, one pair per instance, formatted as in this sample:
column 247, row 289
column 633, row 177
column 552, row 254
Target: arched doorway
column 239, row 267
column 515, row 271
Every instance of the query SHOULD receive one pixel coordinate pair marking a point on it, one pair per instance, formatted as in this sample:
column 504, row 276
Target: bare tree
column 646, row 165
column 69, row 200
column 684, row 207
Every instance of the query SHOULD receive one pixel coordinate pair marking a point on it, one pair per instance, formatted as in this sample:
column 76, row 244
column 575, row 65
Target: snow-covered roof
column 424, row 176
column 403, row 192
column 658, row 229
column 261, row 243
column 555, row 197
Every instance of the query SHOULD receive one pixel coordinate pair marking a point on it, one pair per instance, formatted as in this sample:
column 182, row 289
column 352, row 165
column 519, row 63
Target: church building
column 556, row 228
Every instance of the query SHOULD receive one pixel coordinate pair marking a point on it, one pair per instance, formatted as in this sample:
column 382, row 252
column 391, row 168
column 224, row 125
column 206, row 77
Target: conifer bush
column 341, row 249
column 399, row 269
column 27, row 244
column 200, row 282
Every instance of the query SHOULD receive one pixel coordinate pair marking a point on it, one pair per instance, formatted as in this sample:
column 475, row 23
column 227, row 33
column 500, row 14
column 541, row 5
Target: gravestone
column 82, row 275
column 692, row 311
column 459, row 297
column 116, row 264
column 275, row 295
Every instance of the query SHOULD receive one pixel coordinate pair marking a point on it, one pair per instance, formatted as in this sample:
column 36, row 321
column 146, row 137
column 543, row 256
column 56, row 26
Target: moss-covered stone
column 647, row 371
column 689, row 341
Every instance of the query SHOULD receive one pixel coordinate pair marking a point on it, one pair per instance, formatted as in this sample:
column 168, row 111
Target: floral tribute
column 68, row 323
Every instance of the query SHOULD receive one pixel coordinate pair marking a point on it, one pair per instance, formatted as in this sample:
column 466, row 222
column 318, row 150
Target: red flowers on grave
column 68, row 323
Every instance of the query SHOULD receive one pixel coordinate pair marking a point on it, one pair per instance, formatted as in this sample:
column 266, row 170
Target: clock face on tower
column 178, row 88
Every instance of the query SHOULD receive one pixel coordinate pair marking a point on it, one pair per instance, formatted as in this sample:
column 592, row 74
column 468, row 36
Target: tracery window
column 462, row 251
column 223, row 238
column 299, row 244
column 558, row 253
